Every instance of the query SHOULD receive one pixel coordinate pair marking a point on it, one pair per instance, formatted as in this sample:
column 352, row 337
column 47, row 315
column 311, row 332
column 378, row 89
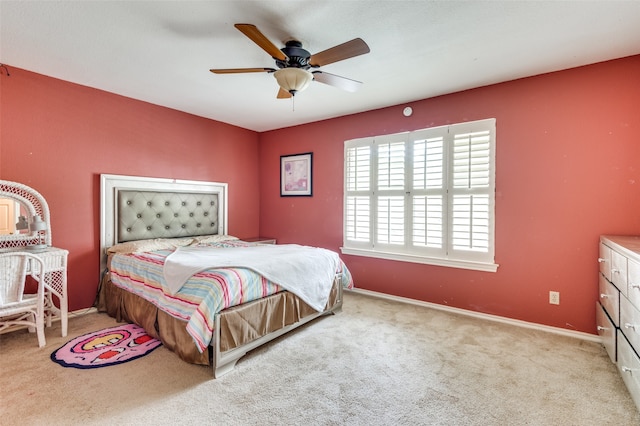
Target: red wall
column 568, row 170
column 58, row 138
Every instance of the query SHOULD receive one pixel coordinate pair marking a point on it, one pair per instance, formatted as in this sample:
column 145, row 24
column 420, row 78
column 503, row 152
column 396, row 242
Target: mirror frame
column 35, row 204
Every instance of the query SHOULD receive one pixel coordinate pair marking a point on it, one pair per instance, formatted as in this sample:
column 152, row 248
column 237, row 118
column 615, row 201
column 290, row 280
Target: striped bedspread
column 202, row 296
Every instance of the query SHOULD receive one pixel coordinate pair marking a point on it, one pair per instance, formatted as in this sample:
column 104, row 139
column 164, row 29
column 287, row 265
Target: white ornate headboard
column 136, row 208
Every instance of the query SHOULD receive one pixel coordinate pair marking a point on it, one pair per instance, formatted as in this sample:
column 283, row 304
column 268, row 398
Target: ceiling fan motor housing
column 298, row 57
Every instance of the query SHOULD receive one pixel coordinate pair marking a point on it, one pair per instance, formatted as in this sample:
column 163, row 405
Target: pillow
column 203, row 239
column 149, row 245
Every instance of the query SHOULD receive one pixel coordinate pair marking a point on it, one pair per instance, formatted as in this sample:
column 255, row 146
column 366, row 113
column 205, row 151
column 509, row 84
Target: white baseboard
column 480, row 315
column 85, row 311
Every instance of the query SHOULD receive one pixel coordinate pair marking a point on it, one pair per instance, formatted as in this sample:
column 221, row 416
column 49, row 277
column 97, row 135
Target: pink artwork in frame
column 295, row 175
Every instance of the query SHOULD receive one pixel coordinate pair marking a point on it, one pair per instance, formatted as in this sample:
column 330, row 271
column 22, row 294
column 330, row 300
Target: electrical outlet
column 554, row 297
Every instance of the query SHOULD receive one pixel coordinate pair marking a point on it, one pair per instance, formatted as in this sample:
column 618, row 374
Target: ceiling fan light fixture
column 293, row 80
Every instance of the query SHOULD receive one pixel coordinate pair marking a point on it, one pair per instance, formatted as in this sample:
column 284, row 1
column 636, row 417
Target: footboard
column 223, row 361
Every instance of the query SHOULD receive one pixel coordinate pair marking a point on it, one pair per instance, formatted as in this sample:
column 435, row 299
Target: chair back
column 13, row 270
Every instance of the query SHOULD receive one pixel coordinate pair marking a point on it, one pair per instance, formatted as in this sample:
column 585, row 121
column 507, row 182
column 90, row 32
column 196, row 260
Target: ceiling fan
column 294, row 62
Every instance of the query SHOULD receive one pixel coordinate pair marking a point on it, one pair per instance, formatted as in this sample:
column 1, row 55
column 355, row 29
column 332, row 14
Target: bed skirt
column 239, row 325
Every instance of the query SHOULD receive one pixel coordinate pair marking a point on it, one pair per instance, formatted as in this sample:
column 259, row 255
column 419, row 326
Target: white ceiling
column 161, row 51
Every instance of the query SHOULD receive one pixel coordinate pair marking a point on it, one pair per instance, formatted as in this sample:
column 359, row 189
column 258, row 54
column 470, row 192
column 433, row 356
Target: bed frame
column 135, row 208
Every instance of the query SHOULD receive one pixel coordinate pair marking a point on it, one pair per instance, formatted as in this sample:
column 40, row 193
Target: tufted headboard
column 140, row 208
column 154, row 214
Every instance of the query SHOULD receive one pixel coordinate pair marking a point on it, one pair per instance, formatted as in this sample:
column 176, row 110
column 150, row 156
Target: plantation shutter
column 425, row 196
column 428, row 190
column 390, row 217
column 471, row 191
column 358, row 195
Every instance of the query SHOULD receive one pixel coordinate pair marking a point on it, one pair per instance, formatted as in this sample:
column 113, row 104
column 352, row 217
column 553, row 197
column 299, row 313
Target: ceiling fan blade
column 283, row 94
column 258, row 38
column 335, row 80
column 355, row 47
column 240, row 70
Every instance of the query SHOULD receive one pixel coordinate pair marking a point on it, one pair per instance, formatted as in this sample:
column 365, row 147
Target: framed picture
column 295, row 175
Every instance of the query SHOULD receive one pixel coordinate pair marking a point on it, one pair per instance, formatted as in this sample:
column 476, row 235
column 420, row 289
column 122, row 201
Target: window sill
column 461, row 264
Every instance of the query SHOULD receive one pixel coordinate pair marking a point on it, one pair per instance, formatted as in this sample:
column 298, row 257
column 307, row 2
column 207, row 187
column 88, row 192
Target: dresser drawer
column 633, row 282
column 606, row 331
column 630, row 322
column 609, row 297
column 605, row 261
column 619, row 271
column 629, row 367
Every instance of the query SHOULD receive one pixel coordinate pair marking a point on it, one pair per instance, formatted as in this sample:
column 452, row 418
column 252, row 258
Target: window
column 425, row 196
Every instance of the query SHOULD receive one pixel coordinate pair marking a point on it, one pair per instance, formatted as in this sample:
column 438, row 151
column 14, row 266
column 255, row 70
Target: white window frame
column 370, row 194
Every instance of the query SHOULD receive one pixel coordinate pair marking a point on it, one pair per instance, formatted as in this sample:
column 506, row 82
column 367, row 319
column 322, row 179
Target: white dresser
column 618, row 308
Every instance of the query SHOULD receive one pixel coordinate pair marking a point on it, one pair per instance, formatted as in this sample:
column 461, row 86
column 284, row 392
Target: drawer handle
column 635, row 286
column 628, row 325
column 601, row 260
column 601, row 328
column 603, row 296
column 626, row 369
column 615, row 271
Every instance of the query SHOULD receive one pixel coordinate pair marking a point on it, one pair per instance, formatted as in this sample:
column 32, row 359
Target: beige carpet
column 376, row 363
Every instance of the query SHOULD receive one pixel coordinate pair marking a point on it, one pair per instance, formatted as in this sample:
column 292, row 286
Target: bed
column 206, row 315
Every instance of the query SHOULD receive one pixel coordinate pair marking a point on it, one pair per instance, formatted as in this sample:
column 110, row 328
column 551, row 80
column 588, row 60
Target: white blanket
column 307, row 272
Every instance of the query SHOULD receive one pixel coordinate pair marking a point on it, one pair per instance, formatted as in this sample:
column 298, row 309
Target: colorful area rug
column 110, row 346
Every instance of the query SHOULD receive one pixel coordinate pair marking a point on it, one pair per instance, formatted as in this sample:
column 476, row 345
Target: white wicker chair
column 17, row 308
